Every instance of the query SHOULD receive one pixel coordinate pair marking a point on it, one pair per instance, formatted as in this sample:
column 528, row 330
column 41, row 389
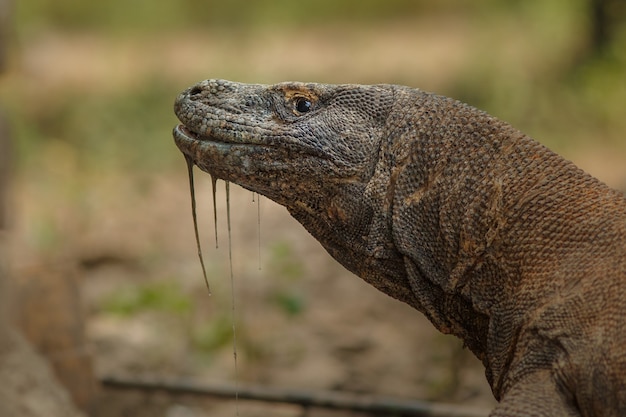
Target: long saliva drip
column 258, row 225
column 232, row 294
column 213, row 184
column 258, row 222
column 195, row 220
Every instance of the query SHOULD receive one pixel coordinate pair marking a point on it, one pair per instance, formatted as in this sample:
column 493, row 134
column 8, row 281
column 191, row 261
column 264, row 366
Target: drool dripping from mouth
column 192, row 190
column 190, row 165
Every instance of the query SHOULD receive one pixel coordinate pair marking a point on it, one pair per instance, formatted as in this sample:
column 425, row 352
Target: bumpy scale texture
column 492, row 236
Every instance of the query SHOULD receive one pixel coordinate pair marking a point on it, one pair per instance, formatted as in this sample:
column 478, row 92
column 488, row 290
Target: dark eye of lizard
column 303, row 105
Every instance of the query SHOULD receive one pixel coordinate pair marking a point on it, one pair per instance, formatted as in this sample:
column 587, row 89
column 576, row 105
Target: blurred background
column 97, row 240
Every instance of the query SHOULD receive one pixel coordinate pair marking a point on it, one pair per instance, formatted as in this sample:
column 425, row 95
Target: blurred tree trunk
column 599, row 24
column 605, row 18
column 6, row 7
column 5, row 12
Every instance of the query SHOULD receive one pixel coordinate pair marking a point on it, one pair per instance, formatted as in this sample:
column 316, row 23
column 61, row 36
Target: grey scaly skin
column 492, row 236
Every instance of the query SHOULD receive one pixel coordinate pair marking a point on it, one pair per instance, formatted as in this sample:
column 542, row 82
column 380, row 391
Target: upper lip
column 183, row 131
column 181, row 128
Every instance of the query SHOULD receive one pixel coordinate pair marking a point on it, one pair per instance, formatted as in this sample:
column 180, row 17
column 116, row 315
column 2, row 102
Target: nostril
column 195, row 91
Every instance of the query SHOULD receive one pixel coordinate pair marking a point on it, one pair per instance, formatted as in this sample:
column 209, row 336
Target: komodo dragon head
column 295, row 143
column 314, row 148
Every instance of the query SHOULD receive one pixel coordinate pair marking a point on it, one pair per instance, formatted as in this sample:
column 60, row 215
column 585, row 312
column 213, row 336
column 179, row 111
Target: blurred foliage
column 213, row 335
column 290, row 302
column 286, row 271
column 145, row 15
column 164, row 296
column 99, row 126
column 560, row 94
column 284, row 263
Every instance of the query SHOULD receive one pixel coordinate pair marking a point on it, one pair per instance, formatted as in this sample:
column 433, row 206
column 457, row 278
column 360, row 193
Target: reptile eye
column 303, row 105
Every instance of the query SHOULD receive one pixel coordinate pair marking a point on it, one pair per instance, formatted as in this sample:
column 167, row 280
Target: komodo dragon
column 492, row 236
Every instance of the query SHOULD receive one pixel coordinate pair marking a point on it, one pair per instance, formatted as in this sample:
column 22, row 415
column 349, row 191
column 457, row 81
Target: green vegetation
column 164, row 296
column 99, row 126
column 284, row 264
column 545, row 94
column 214, row 334
column 286, row 271
column 554, row 89
column 145, row 15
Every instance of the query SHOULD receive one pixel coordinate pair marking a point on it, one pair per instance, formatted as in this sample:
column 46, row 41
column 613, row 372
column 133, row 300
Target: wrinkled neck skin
column 400, row 228
column 445, row 197
column 353, row 223
column 440, row 223
column 364, row 225
column 485, row 220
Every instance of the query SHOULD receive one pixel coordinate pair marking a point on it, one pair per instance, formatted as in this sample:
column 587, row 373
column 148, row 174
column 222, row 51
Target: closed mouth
column 184, row 137
column 183, row 132
column 190, row 142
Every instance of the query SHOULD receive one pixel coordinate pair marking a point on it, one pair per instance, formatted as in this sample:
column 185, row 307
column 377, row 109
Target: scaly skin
column 492, row 236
